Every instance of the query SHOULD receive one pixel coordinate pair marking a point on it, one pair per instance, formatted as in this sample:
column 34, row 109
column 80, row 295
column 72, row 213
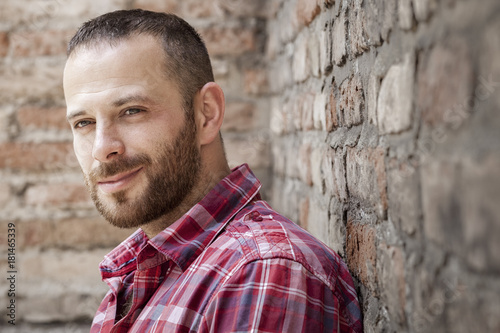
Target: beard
column 171, row 174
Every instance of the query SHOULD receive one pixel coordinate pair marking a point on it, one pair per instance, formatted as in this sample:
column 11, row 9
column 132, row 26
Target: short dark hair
column 187, row 61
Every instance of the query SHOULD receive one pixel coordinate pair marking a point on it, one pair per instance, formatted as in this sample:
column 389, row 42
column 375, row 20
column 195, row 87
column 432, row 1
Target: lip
column 118, row 182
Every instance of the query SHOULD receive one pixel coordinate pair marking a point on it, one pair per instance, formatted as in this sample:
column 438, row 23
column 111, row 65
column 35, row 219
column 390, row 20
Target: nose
column 107, row 144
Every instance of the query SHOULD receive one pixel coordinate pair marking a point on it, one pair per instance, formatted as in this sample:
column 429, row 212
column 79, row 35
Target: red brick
column 256, row 82
column 228, row 41
column 307, row 10
column 30, row 117
column 170, row 6
column 361, row 251
column 59, row 194
column 4, row 44
column 40, row 43
column 37, row 156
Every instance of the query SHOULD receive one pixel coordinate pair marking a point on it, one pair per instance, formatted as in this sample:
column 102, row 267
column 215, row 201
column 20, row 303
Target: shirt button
column 256, row 216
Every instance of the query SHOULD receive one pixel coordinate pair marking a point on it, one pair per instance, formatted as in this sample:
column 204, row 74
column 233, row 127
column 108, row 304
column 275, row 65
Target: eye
column 130, row 112
column 82, row 123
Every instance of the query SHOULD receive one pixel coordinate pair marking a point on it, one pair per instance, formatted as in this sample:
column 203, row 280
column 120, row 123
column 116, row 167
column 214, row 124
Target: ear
column 209, row 108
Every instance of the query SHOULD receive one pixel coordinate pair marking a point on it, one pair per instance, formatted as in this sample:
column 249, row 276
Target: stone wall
column 386, row 145
column 375, row 122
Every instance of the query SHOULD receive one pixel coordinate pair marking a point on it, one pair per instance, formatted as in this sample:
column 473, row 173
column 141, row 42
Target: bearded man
column 209, row 255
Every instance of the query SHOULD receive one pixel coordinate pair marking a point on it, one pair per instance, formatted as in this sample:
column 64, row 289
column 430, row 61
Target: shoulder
column 260, row 233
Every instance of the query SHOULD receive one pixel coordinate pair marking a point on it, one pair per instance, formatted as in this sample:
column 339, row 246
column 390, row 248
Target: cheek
column 83, row 152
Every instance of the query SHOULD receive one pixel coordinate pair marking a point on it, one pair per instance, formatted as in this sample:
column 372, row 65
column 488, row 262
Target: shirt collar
column 186, row 238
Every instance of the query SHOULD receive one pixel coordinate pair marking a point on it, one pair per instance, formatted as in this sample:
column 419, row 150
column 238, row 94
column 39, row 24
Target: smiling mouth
column 118, row 182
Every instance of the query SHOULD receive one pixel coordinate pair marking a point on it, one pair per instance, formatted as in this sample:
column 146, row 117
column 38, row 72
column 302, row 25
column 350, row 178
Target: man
column 210, row 255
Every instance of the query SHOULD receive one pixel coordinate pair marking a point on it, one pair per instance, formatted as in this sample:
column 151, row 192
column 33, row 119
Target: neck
column 206, row 182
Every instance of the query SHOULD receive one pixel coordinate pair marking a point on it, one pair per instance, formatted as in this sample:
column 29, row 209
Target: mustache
column 120, row 165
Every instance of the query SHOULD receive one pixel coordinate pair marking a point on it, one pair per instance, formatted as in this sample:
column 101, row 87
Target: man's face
column 136, row 146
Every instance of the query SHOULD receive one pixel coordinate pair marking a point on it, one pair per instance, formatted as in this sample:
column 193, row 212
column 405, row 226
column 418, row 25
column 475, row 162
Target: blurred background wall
column 373, row 124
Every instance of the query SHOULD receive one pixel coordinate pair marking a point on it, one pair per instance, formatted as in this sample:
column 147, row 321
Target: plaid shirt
column 230, row 264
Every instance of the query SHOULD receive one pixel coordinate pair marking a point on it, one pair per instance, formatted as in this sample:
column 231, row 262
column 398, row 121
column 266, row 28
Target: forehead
column 138, row 59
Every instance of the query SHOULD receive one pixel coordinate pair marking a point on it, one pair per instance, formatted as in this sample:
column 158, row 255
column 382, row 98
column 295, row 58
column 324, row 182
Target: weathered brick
column 57, row 194
column 405, row 14
column 391, row 275
column 73, row 233
column 35, row 117
column 239, row 116
column 339, row 168
column 256, row 82
column 318, row 154
column 61, row 278
column 331, row 114
column 361, row 252
column 372, row 97
column 380, row 18
column 197, row 9
column 336, row 228
column 40, row 78
column 395, row 100
column 229, row 40
column 460, row 201
column 252, row 149
column 40, row 43
column 423, row 8
column 169, row 6
column 339, row 40
column 306, row 105
column 320, row 112
column 366, row 177
column 301, row 62
column 357, row 29
column 36, row 157
column 351, row 101
column 305, row 163
column 443, row 86
column 325, row 48
column 403, row 191
column 4, row 43
column 5, row 194
column 307, row 10
column 313, row 54
column 304, row 213
column 318, row 218
column 243, row 8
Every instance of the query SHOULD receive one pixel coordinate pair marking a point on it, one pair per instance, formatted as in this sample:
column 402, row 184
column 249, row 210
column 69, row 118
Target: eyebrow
column 119, row 102
column 132, row 98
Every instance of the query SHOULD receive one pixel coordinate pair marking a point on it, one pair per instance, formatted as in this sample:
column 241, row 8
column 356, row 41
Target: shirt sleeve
column 274, row 295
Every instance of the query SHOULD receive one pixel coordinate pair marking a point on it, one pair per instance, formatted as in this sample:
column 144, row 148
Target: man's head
column 186, row 57
column 144, row 113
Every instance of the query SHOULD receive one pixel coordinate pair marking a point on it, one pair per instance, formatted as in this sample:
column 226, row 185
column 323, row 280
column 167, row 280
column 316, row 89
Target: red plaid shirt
column 230, row 264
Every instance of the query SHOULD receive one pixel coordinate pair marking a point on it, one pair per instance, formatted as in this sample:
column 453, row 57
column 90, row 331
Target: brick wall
column 386, row 138
column 60, row 237
column 376, row 122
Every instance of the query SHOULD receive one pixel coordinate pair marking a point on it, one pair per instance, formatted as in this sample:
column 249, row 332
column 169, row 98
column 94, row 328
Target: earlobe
column 211, row 112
